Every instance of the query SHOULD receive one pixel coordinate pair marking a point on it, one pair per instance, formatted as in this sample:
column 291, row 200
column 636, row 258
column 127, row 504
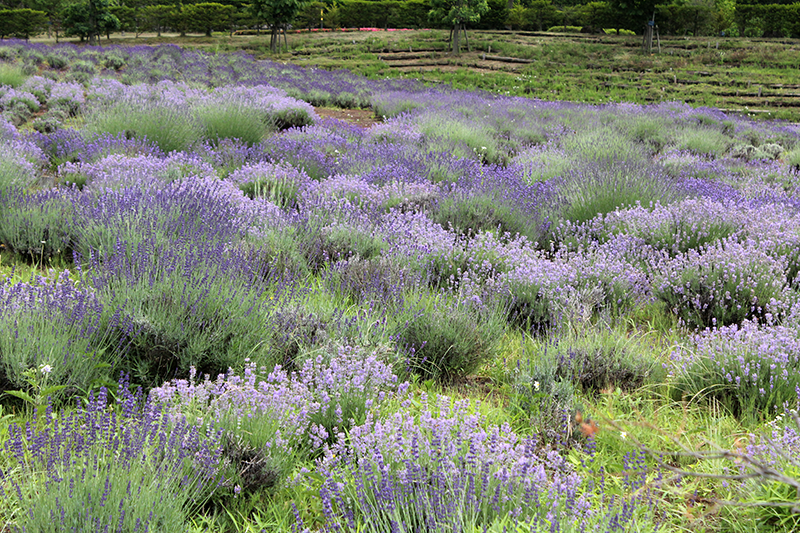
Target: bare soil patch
column 359, row 117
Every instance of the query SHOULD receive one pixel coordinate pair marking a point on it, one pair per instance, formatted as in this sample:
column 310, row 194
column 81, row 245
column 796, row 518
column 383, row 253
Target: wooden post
column 658, row 39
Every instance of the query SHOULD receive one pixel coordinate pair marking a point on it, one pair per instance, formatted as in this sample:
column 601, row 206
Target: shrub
column 327, row 245
column 48, row 123
column 446, row 342
column 293, row 332
column 602, row 188
column 285, row 415
column 706, row 141
column 793, row 158
column 542, row 163
column 92, row 469
column 379, row 282
column 280, row 184
column 544, row 400
column 231, row 121
column 170, row 127
column 530, row 292
column 565, row 29
column 188, row 307
column 600, row 358
column 56, row 61
column 647, row 130
column 470, row 214
column 448, row 469
column 37, row 225
column 676, row 228
column 721, row 284
column 58, row 326
column 750, row 370
column 11, row 74
column 197, row 211
column 19, row 165
column 602, row 145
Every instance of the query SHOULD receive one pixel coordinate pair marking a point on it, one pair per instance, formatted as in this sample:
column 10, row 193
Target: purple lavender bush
column 36, row 225
column 447, row 469
column 274, row 419
column 59, row 337
column 185, row 307
column 101, row 468
column 723, row 283
column 749, row 369
column 446, row 339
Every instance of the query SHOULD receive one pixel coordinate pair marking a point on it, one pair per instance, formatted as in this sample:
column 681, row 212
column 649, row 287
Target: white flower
column 536, row 386
column 623, row 434
column 46, row 369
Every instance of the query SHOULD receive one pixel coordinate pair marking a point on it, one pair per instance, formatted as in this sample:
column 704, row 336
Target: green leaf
column 49, row 391
column 21, row 394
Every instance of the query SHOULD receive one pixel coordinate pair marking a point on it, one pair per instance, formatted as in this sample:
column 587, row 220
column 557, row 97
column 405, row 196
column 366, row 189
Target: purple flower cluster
column 446, row 468
column 59, row 324
column 98, row 469
column 319, row 402
column 750, row 368
column 118, row 171
column 721, row 284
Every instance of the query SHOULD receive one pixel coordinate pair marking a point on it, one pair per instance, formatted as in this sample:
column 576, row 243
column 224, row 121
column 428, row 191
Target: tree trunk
column 457, row 39
column 273, row 39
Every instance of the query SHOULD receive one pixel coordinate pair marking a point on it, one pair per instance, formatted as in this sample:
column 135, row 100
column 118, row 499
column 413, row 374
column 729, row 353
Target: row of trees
column 89, row 19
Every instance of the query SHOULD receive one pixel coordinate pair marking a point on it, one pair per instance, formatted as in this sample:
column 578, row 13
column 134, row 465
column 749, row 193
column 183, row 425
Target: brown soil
column 360, row 117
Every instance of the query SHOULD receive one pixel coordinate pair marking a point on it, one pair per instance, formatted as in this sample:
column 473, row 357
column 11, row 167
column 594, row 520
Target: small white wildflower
column 536, row 386
column 46, row 369
column 623, row 434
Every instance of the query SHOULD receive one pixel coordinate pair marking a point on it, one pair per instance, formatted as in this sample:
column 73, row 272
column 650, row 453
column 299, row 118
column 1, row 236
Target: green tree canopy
column 88, row 19
column 208, row 16
column 633, row 14
column 458, row 13
column 22, row 23
column 276, row 13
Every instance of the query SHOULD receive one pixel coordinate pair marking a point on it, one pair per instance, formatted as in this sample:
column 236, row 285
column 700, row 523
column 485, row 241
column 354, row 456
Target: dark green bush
column 448, row 341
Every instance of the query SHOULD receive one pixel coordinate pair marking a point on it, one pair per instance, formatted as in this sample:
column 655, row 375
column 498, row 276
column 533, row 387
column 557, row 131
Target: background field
column 757, row 77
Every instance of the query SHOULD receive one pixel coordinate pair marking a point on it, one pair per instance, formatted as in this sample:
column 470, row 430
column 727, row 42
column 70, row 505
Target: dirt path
column 360, row 117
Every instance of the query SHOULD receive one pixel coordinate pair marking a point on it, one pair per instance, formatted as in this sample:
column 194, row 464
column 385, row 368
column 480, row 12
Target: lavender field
column 222, row 312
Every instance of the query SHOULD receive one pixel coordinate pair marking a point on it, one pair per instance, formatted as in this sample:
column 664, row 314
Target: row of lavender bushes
column 327, row 263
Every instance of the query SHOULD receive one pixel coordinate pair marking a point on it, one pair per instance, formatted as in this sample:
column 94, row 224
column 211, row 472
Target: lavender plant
column 36, row 225
column 603, row 358
column 280, row 184
column 199, row 210
column 449, row 339
column 95, row 469
column 11, row 75
column 188, row 307
column 544, row 400
column 750, row 370
column 278, row 417
column 19, row 164
column 599, row 188
column 169, row 127
column 59, row 326
column 447, row 469
column 724, row 283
